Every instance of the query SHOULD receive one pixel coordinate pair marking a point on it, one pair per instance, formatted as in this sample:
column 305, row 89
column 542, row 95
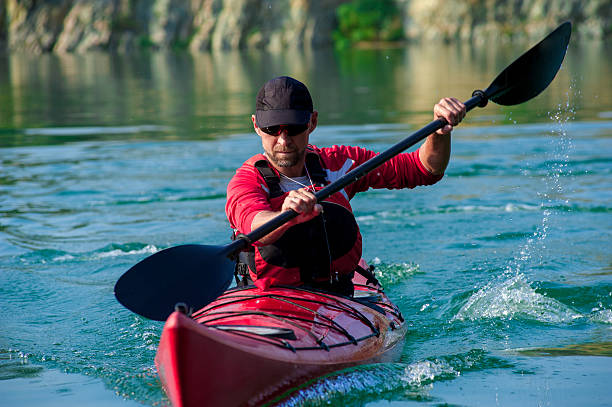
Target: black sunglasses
column 292, row 129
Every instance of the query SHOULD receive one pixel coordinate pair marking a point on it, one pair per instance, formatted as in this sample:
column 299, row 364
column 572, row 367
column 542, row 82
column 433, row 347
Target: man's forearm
column 264, row 216
column 435, row 153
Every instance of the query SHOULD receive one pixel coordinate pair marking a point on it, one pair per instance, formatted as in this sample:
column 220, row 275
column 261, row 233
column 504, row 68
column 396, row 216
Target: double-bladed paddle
column 197, row 274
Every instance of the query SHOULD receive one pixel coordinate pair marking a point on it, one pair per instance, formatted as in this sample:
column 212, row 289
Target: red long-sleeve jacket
column 248, row 194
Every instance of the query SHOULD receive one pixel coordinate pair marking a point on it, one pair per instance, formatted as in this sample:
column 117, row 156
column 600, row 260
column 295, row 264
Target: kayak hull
column 250, row 346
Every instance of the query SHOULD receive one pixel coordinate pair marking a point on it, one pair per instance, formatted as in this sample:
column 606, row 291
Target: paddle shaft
column 350, row 177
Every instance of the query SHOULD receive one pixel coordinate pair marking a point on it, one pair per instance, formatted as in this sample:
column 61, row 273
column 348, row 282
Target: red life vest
column 323, row 252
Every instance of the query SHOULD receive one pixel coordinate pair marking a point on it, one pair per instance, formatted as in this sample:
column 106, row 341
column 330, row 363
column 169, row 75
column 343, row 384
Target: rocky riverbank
column 201, row 25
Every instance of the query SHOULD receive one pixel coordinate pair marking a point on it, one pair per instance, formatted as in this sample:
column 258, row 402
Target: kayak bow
column 250, row 346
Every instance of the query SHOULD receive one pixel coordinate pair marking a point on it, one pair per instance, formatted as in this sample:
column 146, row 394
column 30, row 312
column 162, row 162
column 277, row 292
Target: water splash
column 553, row 194
column 514, row 298
column 427, row 371
column 511, row 295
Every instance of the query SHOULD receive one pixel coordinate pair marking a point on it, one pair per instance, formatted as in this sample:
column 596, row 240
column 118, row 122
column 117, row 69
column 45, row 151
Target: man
column 321, row 247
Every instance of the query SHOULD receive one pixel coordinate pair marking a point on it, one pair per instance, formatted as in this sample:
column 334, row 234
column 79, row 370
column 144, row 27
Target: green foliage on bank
column 367, row 20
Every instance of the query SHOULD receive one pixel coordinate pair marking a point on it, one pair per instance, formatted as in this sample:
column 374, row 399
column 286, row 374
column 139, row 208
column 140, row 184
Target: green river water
column 502, row 270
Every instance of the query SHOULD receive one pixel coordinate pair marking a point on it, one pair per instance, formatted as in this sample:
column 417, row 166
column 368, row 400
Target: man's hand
column 301, row 201
column 304, row 203
column 435, row 151
column 450, row 109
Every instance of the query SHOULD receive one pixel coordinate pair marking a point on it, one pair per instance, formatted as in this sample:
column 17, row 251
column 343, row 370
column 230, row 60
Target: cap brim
column 267, row 118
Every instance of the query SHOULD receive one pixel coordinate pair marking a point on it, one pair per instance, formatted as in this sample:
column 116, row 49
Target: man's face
column 285, row 150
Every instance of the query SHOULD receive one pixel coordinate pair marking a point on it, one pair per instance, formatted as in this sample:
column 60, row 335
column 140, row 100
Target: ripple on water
column 124, row 362
column 15, row 364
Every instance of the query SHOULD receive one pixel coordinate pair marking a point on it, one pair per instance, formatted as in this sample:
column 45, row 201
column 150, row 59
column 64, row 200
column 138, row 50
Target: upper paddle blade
column 193, row 274
column 533, row 71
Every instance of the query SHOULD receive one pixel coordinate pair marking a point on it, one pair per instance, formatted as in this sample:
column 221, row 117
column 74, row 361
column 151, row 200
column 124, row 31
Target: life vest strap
column 315, row 170
column 272, row 180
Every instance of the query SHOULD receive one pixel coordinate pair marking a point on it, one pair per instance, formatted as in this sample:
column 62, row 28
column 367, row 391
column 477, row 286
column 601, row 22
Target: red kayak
column 250, row 346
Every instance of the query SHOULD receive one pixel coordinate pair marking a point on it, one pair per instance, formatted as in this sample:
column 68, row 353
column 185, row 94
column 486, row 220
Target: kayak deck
column 312, row 321
column 250, row 345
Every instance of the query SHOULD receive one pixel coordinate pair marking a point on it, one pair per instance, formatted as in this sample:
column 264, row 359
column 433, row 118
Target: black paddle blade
column 193, row 274
column 533, row 71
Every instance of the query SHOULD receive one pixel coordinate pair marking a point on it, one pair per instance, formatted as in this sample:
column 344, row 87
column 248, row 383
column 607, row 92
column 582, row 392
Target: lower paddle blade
column 533, row 71
column 192, row 274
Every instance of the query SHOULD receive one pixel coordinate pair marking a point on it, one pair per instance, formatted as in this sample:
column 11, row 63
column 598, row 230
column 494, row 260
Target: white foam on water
column 365, row 218
column 103, row 254
column 400, row 215
column 65, row 257
column 425, row 372
column 390, row 274
column 148, row 249
column 603, row 316
column 510, row 207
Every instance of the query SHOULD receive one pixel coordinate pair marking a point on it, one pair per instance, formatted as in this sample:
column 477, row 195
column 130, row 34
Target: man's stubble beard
column 287, row 162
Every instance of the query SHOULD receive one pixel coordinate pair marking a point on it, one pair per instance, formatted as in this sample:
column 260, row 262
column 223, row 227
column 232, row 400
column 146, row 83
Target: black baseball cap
column 283, row 100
